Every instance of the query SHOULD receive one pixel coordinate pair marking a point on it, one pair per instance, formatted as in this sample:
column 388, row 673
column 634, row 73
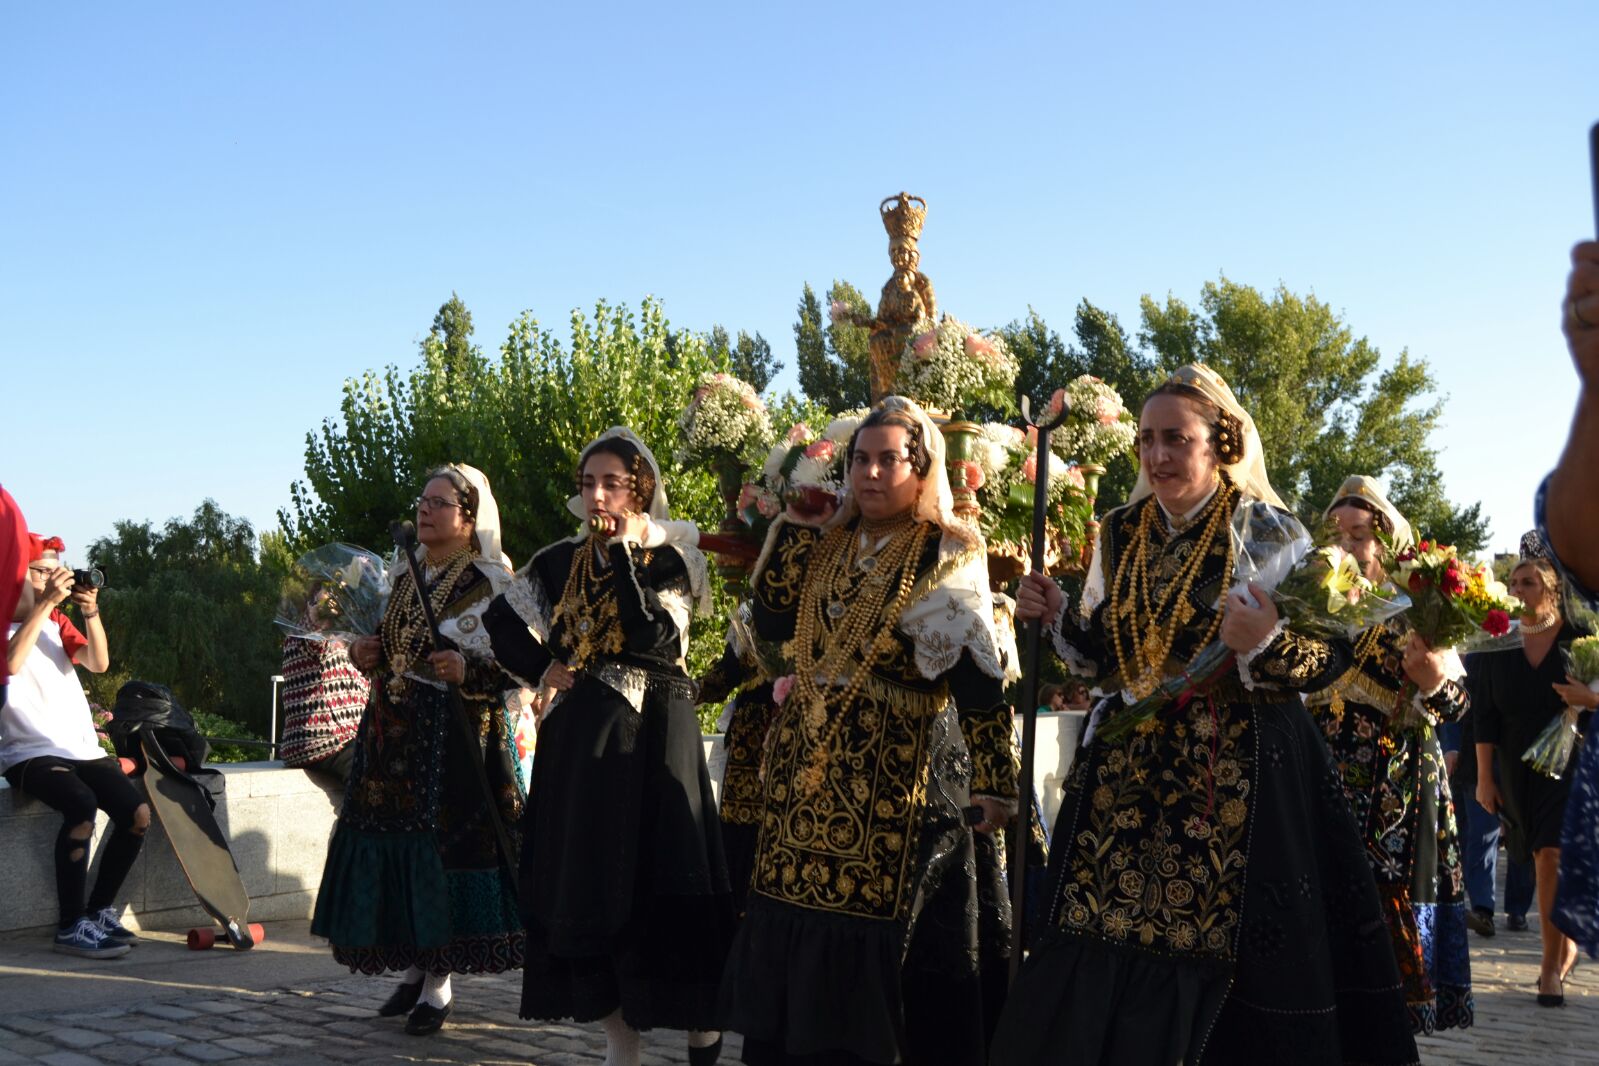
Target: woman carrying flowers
column 1379, row 719
column 1209, row 898
column 860, row 941
column 1515, row 693
column 624, row 885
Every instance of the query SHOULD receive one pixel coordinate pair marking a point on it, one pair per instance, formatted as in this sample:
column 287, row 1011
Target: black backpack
column 146, row 708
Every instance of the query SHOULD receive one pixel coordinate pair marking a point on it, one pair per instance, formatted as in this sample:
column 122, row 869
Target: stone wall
column 278, row 821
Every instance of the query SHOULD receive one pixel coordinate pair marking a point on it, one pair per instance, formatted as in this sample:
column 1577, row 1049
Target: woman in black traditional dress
column 1210, row 901
column 1379, row 720
column 415, row 880
column 891, row 744
column 746, row 719
column 1514, row 695
column 624, row 884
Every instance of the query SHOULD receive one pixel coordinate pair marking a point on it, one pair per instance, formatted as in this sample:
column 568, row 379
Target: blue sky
column 213, row 214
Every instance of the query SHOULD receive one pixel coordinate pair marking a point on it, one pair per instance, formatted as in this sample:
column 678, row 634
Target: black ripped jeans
column 77, row 789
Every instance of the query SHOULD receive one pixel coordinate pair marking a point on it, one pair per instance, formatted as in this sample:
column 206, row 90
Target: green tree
column 749, row 357
column 450, row 339
column 1325, row 406
column 832, row 359
column 190, row 605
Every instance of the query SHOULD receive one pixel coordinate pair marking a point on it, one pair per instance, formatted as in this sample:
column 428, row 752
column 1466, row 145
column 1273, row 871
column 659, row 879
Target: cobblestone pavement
column 325, row 1018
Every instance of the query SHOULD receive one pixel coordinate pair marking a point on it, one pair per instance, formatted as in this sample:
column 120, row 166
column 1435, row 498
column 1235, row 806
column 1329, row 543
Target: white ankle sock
column 436, row 991
column 703, row 1037
column 412, row 975
column 621, row 1040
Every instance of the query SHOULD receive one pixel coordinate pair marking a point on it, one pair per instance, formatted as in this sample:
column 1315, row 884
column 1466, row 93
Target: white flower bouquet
column 725, row 421
column 951, row 367
column 1098, row 426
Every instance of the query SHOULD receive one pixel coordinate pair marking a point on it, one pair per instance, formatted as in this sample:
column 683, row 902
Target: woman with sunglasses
column 415, row 879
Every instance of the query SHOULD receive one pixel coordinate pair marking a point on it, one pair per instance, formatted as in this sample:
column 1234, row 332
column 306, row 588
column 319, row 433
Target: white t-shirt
column 46, row 712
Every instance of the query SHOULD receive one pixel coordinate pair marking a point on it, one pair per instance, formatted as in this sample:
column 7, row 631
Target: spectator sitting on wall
column 48, row 749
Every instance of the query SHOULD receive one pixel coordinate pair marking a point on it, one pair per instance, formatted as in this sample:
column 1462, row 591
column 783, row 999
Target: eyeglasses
column 434, row 503
column 887, row 460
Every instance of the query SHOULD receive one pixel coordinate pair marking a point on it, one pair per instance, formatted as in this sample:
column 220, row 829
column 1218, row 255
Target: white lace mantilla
column 956, row 614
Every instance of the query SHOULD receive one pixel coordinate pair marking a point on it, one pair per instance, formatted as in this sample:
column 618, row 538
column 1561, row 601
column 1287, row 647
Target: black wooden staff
column 404, row 534
column 1023, row 829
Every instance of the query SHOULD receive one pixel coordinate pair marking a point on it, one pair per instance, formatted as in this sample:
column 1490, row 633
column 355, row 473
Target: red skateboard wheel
column 257, row 932
column 202, row 939
column 128, row 766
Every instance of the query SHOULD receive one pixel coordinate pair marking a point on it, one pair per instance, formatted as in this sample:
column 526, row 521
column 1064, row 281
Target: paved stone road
column 333, row 1019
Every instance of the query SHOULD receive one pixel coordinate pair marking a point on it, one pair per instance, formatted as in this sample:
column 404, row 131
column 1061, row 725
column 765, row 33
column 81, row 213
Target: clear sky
column 213, row 214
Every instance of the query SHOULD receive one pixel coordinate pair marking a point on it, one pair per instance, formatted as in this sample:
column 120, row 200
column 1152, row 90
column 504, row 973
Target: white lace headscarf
column 486, row 520
column 1248, row 473
column 1363, row 488
column 656, row 506
column 955, row 613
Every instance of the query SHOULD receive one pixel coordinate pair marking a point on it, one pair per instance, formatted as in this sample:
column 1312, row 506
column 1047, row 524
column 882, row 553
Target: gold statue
column 907, row 297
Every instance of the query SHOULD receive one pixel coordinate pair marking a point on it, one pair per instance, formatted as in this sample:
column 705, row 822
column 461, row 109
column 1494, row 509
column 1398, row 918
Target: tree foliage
column 832, row 358
column 1325, row 406
column 749, row 358
column 190, row 605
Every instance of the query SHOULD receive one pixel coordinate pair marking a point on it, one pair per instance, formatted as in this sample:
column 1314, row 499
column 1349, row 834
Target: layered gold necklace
column 588, row 608
column 1153, row 617
column 1367, row 647
column 405, row 631
column 849, row 606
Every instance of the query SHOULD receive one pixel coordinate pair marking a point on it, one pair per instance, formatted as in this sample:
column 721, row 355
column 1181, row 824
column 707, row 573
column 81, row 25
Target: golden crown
column 903, row 216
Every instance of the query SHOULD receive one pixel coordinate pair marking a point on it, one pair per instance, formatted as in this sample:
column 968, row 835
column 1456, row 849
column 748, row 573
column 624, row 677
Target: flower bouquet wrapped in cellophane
column 1319, row 591
column 335, row 592
column 1551, row 753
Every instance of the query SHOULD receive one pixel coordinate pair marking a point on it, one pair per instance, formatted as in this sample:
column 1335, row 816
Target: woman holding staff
column 1209, row 898
column 415, row 880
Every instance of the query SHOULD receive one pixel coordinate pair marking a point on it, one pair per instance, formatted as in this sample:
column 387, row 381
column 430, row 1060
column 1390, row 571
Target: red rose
column 1453, row 584
column 1418, row 581
column 1497, row 623
column 1425, row 545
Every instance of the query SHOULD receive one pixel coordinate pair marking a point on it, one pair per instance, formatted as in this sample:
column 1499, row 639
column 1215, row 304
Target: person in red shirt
column 49, row 750
column 13, row 567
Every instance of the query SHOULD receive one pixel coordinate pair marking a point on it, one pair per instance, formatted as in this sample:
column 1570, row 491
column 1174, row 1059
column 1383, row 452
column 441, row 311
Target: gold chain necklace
column 1154, row 620
column 404, row 628
column 588, row 607
column 850, row 604
column 1369, row 644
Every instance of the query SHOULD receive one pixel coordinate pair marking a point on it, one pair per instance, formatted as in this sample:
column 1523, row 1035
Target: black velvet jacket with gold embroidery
column 850, row 847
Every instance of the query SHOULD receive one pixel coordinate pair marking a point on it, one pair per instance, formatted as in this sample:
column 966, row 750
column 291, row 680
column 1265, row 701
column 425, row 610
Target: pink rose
column 1030, row 466
column 1032, row 436
column 781, row 687
column 799, row 434
column 971, row 475
column 1074, row 477
column 1108, row 411
column 748, row 495
column 1057, row 401
column 766, row 504
column 977, row 346
column 822, row 449
column 923, row 345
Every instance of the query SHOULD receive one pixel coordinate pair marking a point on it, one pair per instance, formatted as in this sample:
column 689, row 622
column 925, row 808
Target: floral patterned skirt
column 1210, row 903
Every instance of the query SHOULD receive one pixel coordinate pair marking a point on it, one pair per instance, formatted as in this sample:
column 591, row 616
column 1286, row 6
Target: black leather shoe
column 1516, row 923
column 401, row 1001
column 427, row 1019
column 1480, row 922
column 705, row 1056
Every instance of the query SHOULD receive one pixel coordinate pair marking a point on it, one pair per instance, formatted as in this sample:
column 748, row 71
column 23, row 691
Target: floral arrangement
column 1456, row 603
column 725, row 421
column 102, row 719
column 1328, row 595
column 1551, row 753
column 1003, row 473
column 803, row 472
column 335, row 592
column 950, row 367
column 1098, row 426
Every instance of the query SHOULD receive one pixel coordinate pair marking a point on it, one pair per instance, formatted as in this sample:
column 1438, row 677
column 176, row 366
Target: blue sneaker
column 114, row 931
column 85, row 939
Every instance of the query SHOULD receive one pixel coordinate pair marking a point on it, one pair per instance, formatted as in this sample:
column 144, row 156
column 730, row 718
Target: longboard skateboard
column 185, row 814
